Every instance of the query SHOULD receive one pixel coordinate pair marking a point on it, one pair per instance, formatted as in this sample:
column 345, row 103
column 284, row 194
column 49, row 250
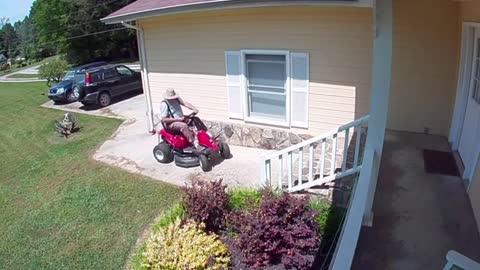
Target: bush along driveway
column 58, row 208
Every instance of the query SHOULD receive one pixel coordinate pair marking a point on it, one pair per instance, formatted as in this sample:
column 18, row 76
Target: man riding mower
column 184, row 139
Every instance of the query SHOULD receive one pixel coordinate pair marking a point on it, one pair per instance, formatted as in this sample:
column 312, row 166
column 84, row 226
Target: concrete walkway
column 130, row 148
column 419, row 217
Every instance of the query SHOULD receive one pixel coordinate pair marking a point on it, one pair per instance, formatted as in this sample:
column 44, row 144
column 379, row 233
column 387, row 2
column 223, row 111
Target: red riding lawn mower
column 173, row 146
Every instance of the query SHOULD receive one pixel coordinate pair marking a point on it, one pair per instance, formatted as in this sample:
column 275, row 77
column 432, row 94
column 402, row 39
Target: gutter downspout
column 145, row 80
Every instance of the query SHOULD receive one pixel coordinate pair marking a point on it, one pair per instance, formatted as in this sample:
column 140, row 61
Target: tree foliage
column 8, row 38
column 69, row 27
column 53, row 71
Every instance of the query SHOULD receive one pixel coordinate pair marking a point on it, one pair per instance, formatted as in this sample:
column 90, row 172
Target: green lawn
column 58, row 208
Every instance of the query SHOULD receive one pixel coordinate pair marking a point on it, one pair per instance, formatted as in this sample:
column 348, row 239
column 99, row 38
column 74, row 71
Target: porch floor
column 418, row 217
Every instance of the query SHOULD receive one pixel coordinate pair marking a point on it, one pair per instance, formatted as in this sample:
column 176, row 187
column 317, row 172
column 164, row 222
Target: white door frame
column 463, row 89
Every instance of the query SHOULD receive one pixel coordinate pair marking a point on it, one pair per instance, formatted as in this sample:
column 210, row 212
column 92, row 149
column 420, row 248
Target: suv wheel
column 76, row 92
column 104, row 99
column 71, row 96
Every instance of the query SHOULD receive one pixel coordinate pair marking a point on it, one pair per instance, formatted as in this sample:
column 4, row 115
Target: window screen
column 266, row 80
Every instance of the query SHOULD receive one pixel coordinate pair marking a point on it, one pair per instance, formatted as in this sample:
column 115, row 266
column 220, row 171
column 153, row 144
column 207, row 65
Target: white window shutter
column 234, row 81
column 300, row 72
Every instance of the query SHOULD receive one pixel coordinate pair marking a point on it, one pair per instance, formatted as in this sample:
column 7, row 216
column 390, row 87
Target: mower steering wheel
column 191, row 115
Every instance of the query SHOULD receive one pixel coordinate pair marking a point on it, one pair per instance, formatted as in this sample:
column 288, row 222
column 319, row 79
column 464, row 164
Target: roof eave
column 221, row 5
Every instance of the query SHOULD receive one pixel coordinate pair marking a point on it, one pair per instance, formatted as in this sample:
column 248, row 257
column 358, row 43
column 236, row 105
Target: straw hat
column 170, row 94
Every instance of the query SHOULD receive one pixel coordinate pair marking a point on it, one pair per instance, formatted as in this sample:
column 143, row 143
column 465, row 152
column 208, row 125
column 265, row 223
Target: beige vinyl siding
column 470, row 12
column 187, row 52
column 426, row 47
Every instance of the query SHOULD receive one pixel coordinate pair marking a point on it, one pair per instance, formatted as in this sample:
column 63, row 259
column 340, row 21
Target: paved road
column 30, row 70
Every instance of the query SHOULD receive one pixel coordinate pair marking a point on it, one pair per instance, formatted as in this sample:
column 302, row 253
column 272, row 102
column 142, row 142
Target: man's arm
column 189, row 105
column 166, row 119
column 169, row 120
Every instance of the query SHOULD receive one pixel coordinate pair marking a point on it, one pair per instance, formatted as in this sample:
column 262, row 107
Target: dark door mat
column 439, row 162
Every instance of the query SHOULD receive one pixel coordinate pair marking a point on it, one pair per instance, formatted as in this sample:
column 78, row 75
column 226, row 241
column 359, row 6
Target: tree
column 3, row 21
column 70, row 24
column 53, row 71
column 27, row 38
column 50, row 18
column 9, row 39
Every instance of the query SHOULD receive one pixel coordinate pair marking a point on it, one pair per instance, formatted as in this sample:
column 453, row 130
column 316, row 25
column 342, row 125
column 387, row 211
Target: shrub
column 206, row 202
column 169, row 217
column 244, row 199
column 4, row 67
column 138, row 261
column 53, row 71
column 185, row 247
column 329, row 219
column 282, row 230
column 322, row 208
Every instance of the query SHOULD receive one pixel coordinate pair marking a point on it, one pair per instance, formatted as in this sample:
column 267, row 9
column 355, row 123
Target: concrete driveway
column 130, row 148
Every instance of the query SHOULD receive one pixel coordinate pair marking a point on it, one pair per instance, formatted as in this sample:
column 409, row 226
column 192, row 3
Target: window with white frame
column 270, row 87
column 266, row 86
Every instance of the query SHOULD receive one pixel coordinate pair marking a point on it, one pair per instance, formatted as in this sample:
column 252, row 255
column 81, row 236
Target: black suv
column 65, row 90
column 105, row 82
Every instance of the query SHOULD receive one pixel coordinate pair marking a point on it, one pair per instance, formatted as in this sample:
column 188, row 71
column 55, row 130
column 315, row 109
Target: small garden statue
column 67, row 126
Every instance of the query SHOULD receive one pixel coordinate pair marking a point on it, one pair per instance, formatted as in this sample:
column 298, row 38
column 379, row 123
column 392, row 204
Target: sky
column 15, row 10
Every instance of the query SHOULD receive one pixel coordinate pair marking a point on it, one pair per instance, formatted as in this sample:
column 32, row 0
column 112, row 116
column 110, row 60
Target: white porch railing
column 318, row 160
column 456, row 261
column 347, row 242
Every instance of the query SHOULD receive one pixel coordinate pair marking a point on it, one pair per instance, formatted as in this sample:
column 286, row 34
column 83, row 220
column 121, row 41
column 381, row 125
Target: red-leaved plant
column 206, row 202
column 283, row 230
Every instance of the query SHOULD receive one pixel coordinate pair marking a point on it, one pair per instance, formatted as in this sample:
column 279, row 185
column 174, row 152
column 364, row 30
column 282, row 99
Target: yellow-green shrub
column 185, row 246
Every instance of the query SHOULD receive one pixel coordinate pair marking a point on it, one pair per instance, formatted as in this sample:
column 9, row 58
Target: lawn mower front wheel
column 225, row 151
column 204, row 163
column 163, row 153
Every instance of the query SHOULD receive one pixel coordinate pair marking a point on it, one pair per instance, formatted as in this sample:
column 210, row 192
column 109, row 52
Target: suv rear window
column 96, row 77
column 109, row 73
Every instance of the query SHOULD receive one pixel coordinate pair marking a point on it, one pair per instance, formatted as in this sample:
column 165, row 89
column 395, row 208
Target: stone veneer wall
column 253, row 136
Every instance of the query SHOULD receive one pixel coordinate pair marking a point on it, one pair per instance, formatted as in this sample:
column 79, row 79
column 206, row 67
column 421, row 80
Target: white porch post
column 379, row 96
column 145, row 80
